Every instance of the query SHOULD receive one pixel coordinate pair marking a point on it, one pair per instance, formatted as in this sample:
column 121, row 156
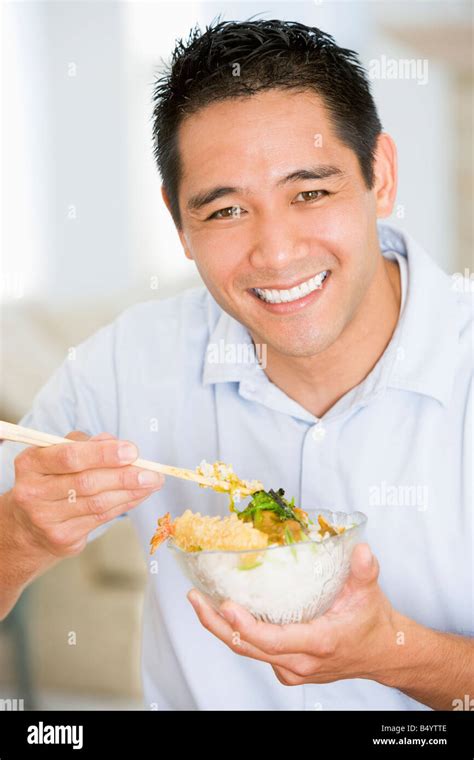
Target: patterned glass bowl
column 281, row 584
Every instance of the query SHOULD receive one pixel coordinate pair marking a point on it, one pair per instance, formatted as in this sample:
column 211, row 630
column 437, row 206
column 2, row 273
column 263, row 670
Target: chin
column 298, row 346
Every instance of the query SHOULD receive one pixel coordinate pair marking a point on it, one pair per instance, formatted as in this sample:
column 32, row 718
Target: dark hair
column 271, row 54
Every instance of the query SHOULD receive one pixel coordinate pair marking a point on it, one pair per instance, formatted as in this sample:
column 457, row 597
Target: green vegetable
column 273, row 501
column 289, row 537
column 290, row 540
column 249, row 567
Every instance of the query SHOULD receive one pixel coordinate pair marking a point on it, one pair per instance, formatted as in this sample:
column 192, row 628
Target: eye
column 230, row 212
column 316, row 195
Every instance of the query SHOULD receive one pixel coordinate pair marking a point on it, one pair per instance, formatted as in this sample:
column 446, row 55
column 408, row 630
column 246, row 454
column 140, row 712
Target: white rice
column 290, row 583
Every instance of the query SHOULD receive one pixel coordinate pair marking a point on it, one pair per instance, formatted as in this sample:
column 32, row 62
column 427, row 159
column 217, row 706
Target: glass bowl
column 280, row 584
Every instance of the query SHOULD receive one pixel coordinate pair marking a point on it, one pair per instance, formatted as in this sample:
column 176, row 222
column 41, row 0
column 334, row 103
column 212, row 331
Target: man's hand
column 349, row 641
column 361, row 636
column 63, row 492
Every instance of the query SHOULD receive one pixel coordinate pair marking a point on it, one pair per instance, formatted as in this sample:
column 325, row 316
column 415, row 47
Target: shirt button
column 318, row 432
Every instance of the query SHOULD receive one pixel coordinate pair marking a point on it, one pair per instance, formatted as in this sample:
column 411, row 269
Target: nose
column 277, row 245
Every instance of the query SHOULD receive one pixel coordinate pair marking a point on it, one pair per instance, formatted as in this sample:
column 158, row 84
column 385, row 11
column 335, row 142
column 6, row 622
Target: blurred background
column 85, row 233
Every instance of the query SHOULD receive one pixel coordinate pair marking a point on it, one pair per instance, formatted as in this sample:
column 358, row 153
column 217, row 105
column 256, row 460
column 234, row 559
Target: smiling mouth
column 272, row 295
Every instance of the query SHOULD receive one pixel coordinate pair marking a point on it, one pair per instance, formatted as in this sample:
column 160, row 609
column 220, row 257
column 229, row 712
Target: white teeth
column 295, row 293
column 285, row 296
column 305, row 288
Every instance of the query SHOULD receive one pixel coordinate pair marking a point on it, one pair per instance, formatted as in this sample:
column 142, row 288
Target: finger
column 73, row 533
column 103, row 502
column 364, row 568
column 216, row 624
column 232, row 637
column 316, row 675
column 291, row 638
column 287, row 677
column 82, row 526
column 77, row 435
column 64, row 458
column 96, row 505
column 92, row 482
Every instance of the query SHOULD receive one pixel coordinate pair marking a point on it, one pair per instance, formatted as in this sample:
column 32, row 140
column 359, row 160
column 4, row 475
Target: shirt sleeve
column 80, row 395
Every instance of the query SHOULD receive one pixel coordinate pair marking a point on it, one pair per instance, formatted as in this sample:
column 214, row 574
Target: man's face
column 270, row 226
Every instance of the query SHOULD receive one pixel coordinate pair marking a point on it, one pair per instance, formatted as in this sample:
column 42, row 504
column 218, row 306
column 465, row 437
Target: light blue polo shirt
column 169, row 375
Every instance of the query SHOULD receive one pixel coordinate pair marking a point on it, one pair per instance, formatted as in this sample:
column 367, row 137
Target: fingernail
column 127, row 452
column 368, row 558
column 149, row 478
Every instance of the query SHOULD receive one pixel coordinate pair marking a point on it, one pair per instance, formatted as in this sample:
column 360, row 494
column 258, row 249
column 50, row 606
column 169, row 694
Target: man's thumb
column 364, row 566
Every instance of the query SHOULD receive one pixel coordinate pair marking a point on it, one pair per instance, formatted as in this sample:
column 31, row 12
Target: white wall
column 73, row 136
column 149, row 31
column 81, row 145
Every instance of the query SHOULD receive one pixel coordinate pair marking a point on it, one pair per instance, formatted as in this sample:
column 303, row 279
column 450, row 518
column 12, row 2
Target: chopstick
column 19, row 434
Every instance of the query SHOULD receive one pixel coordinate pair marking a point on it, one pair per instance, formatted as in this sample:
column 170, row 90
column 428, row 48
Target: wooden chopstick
column 19, row 434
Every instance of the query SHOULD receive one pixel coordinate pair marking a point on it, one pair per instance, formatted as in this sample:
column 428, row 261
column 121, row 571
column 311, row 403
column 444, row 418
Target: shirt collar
column 420, row 358
column 427, row 335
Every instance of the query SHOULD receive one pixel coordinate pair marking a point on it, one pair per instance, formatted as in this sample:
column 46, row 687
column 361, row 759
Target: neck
column 318, row 382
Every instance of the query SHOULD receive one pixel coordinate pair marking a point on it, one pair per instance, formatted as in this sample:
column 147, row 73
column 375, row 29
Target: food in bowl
column 281, row 563
column 268, row 520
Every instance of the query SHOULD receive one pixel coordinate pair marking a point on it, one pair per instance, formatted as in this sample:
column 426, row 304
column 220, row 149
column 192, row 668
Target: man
column 275, row 170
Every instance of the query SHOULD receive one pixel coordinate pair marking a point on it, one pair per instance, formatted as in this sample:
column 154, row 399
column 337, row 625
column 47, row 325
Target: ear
column 164, row 195
column 385, row 175
column 180, row 232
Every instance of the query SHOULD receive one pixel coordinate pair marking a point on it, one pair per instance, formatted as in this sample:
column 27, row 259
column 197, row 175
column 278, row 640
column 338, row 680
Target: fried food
column 193, row 532
column 268, row 520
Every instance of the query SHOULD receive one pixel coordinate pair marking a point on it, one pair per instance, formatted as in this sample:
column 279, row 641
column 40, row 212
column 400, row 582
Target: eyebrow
column 205, row 197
